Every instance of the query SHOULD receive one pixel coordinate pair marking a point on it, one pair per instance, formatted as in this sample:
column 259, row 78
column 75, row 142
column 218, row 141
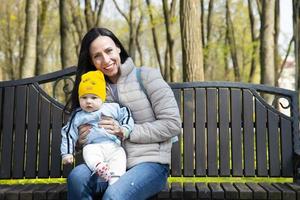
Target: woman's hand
column 83, row 131
column 112, row 126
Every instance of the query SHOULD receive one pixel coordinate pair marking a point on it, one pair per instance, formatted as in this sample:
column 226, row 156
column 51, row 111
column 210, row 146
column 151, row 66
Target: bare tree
column 296, row 26
column 277, row 58
column 208, row 67
column 29, row 56
column 132, row 20
column 93, row 15
column 66, row 50
column 254, row 39
column 232, row 43
column 169, row 14
column 267, row 39
column 192, row 55
column 154, row 37
column 40, row 66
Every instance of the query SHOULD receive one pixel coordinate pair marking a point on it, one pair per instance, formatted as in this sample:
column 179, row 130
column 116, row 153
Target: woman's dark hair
column 84, row 61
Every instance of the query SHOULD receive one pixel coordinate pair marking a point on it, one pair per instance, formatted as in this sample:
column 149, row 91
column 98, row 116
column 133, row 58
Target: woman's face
column 105, row 56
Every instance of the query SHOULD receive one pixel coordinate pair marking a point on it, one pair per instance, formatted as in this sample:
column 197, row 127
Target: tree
column 296, row 27
column 169, row 15
column 29, row 55
column 93, row 15
column 208, row 67
column 132, row 20
column 267, row 38
column 232, row 43
column 192, row 55
column 66, row 51
column 254, row 38
column 41, row 54
column 154, row 37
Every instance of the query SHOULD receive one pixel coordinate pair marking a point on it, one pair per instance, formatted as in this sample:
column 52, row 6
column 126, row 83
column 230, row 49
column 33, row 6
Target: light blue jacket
column 70, row 130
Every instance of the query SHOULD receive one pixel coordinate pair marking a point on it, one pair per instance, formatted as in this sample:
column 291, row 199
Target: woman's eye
column 97, row 56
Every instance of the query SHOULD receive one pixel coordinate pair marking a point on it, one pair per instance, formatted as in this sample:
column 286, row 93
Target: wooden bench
column 228, row 131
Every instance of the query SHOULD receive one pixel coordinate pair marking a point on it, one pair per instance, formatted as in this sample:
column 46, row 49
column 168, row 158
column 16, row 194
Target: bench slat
column 287, row 193
column 273, row 141
column 230, row 191
column 188, row 138
column 258, row 191
column 7, row 132
column 286, row 147
column 295, row 187
column 236, row 132
column 28, row 192
column 176, row 191
column 273, row 193
column 55, row 170
column 41, row 192
column 176, row 147
column 224, row 149
column 200, row 154
column 203, row 191
column 244, row 191
column 189, row 190
column 19, row 143
column 212, row 152
column 216, row 191
column 57, row 192
column 248, row 133
column 32, row 133
column 261, row 141
column 44, row 147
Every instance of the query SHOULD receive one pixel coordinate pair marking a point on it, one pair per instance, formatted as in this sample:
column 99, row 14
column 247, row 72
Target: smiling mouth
column 109, row 66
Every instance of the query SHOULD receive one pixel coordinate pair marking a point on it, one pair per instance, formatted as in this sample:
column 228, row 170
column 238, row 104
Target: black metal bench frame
column 228, row 131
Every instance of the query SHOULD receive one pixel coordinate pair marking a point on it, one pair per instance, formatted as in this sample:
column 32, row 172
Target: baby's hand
column 68, row 159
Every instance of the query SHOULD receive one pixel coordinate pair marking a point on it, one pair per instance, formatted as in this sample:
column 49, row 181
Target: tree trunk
column 192, row 55
column 132, row 28
column 132, row 22
column 66, row 51
column 267, row 38
column 254, row 42
column 296, row 27
column 40, row 66
column 29, row 55
column 208, row 68
column 277, row 58
column 168, row 15
column 232, row 43
column 89, row 18
column 154, row 37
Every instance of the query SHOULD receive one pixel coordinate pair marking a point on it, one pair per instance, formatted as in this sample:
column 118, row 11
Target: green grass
column 171, row 179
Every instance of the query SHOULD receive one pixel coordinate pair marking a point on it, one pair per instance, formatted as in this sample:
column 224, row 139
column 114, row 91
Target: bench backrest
column 228, row 130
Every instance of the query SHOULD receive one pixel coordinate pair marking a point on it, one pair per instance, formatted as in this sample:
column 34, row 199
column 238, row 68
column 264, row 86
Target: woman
column 148, row 147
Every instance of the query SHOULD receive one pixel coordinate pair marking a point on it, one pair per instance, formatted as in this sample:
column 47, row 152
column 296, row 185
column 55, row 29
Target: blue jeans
column 139, row 182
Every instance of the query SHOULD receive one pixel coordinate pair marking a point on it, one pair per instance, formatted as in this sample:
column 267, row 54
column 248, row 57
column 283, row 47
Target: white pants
column 106, row 152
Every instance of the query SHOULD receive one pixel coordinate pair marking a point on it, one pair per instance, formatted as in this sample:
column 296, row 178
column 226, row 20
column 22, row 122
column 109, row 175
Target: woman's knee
column 79, row 174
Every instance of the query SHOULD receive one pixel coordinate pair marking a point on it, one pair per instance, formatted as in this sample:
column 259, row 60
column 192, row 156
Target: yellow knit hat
column 93, row 82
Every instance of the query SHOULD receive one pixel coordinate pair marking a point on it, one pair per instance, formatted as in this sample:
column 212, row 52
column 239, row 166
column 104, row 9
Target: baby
column 102, row 152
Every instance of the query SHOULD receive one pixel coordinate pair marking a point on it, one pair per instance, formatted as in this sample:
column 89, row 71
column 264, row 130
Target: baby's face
column 90, row 102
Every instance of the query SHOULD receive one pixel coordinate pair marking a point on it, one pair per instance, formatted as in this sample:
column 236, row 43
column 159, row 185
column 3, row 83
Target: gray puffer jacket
column 150, row 140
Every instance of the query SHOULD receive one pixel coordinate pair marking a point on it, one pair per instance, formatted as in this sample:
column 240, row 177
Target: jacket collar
column 126, row 67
